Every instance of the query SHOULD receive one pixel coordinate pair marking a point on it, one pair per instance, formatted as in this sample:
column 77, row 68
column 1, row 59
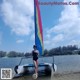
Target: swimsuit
column 35, row 55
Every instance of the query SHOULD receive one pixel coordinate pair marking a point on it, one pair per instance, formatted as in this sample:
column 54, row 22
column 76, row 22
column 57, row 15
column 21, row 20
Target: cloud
column 33, row 37
column 19, row 41
column 53, row 41
column 57, row 38
column 18, row 15
column 68, row 29
column 75, row 42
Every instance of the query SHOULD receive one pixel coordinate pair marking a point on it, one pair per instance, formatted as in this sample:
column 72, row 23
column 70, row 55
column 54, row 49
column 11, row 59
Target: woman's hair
column 34, row 46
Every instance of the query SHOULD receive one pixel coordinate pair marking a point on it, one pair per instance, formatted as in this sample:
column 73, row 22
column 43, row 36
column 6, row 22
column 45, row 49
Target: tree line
column 65, row 50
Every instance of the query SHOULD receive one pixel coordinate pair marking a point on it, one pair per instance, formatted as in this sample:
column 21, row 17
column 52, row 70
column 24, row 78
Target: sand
column 66, row 76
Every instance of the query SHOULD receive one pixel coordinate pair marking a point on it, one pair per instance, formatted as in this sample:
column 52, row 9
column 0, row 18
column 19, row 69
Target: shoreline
column 67, row 76
column 66, row 73
column 56, row 76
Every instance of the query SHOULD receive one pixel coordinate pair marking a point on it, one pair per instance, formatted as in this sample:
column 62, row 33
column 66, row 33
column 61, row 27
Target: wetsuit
column 35, row 54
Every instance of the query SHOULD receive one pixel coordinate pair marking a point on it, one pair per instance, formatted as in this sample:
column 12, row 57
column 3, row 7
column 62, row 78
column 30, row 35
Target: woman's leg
column 36, row 66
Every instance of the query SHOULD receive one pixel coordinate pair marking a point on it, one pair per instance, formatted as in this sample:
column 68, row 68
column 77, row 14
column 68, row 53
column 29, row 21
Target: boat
column 44, row 69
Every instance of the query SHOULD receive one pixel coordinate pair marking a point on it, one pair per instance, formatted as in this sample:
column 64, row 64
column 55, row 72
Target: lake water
column 68, row 63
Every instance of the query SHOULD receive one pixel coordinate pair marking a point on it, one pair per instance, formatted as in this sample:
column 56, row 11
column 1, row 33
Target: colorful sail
column 38, row 28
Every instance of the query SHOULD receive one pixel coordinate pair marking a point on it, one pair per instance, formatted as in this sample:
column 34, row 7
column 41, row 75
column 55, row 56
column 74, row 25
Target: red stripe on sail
column 39, row 20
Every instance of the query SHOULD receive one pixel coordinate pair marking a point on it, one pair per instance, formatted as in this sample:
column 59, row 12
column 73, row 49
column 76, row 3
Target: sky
column 61, row 24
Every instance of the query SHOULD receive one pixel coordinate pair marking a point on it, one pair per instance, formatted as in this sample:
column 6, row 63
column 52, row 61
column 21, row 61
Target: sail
column 38, row 28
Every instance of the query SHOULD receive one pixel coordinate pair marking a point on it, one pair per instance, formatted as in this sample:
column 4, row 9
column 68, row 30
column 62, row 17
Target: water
column 70, row 63
column 67, row 63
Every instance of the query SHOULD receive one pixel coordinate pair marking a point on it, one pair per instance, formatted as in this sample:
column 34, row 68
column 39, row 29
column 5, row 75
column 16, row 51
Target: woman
column 35, row 54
